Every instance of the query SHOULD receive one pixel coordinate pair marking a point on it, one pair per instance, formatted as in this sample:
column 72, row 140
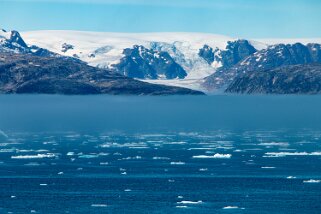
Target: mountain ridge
column 30, row 69
column 193, row 60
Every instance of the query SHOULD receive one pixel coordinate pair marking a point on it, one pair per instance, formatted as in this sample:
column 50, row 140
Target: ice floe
column 274, row 144
column 178, row 163
column 103, row 163
column 217, row 156
column 312, row 181
column 284, row 154
column 231, row 207
column 99, row 205
column 88, row 156
column 190, row 202
column 291, row 177
column 161, row 158
column 132, row 158
column 37, row 156
column 181, row 206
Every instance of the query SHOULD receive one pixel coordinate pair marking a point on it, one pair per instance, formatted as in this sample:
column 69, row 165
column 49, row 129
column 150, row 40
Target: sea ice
column 312, row 181
column 217, row 155
column 190, row 202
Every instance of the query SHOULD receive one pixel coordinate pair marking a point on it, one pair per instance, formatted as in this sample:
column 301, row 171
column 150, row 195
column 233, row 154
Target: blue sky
column 237, row 18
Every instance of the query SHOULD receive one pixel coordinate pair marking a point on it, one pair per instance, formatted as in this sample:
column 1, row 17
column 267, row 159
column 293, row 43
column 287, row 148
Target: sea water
column 175, row 154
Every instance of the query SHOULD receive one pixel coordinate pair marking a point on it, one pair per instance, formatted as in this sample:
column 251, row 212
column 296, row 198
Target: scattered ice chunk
column 291, row 177
column 32, row 164
column 7, row 150
column 312, row 181
column 231, row 207
column 217, row 155
column 88, row 156
column 284, row 154
column 190, row 202
column 103, row 163
column 70, row 153
column 132, row 158
column 175, row 143
column 274, row 144
column 37, row 156
column 178, row 163
column 99, row 205
column 181, row 206
column 200, row 148
column 161, row 158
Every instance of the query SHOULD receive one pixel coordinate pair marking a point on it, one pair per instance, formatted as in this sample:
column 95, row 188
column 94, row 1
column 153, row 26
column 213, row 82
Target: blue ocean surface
column 175, row 154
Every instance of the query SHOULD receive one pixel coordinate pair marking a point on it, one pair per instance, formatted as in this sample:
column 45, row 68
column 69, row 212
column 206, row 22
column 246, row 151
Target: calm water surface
column 115, row 154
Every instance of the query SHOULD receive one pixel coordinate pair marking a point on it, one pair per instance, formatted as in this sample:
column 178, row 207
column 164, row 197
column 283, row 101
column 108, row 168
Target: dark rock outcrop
column 273, row 57
column 26, row 73
column 235, row 52
column 292, row 79
column 143, row 63
column 66, row 47
column 207, row 53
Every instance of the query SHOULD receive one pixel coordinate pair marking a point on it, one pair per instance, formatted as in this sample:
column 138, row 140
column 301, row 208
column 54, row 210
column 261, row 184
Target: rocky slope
column 30, row 69
column 166, row 58
column 198, row 61
column 234, row 52
column 26, row 73
column 291, row 79
column 270, row 58
column 144, row 63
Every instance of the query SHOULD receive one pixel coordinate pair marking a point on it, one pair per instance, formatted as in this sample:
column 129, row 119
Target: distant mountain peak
column 234, row 52
column 141, row 62
column 16, row 38
column 12, row 41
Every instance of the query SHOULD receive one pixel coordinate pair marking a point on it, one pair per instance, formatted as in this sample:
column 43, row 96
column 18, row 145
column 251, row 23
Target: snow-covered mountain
column 30, row 69
column 270, row 59
column 11, row 41
column 193, row 60
column 167, row 58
